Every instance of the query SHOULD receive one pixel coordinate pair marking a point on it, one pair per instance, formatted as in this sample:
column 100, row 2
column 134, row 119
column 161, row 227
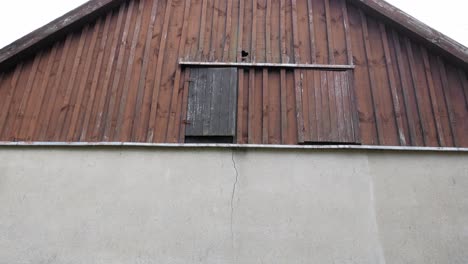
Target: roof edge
column 92, row 9
column 30, row 42
column 418, row 29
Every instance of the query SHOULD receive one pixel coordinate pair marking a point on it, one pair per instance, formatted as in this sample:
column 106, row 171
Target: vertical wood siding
column 118, row 78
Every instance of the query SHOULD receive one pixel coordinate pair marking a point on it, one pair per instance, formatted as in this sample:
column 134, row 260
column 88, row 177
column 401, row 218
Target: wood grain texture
column 212, row 102
column 124, row 75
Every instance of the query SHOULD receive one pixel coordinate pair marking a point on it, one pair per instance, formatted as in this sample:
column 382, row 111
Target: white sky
column 20, row 17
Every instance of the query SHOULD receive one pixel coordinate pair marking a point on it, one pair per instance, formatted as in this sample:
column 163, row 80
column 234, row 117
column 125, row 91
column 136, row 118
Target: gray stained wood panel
column 329, row 107
column 212, row 102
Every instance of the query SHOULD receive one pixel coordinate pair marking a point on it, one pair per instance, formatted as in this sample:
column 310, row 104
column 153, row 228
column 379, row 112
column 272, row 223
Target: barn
column 234, row 131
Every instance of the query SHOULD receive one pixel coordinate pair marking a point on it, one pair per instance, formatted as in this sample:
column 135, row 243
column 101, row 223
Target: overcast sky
column 20, row 17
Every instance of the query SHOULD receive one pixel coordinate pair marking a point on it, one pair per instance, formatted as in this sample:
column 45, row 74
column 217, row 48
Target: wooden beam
column 393, row 86
column 266, row 65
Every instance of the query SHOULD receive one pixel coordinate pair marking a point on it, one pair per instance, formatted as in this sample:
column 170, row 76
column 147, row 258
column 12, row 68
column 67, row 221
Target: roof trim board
column 416, row 28
column 57, row 28
column 92, row 9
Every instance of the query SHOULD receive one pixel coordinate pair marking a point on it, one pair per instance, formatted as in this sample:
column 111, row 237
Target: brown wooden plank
column 41, row 134
column 289, row 32
column 332, row 107
column 96, row 77
column 412, row 122
column 312, row 91
column 440, row 97
column 14, row 129
column 345, row 126
column 393, row 86
column 2, row 77
column 295, row 32
column 214, row 30
column 179, row 116
column 361, row 81
column 253, row 43
column 169, row 71
column 291, row 138
column 458, row 105
column 274, row 102
column 371, row 71
column 28, row 114
column 464, row 82
column 30, row 135
column 382, row 91
column 284, row 56
column 240, row 105
column 155, row 98
column 73, row 96
column 141, row 123
column 265, row 82
column 417, row 90
column 240, row 108
column 433, row 98
column 252, row 117
column 122, row 102
column 298, row 83
column 323, row 105
column 201, row 38
column 183, row 113
column 298, row 78
column 268, row 18
column 101, row 104
column 275, row 32
column 171, row 128
column 284, row 59
column 340, row 98
column 70, row 134
column 193, row 34
column 284, row 110
column 307, row 105
column 221, row 30
column 119, row 77
column 338, row 39
column 349, row 50
column 258, row 106
column 228, row 30
column 265, row 110
column 320, row 27
column 7, row 101
column 208, row 31
column 330, row 42
column 18, row 96
column 234, row 32
column 313, row 56
column 132, row 114
column 260, row 31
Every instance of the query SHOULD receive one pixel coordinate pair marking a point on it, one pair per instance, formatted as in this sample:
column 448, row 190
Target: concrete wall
column 117, row 205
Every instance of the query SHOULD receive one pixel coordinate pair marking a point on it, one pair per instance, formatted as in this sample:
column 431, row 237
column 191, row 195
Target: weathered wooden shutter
column 212, row 102
column 327, row 107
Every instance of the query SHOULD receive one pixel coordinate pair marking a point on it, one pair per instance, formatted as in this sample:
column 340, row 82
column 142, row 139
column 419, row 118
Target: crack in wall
column 234, row 188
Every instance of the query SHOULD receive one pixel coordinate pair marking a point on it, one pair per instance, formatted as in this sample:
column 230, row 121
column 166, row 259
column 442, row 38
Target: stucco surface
column 132, row 205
